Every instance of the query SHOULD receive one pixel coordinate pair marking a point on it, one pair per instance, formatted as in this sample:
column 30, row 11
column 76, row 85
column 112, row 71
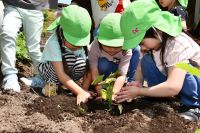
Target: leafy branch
column 190, row 69
column 107, row 88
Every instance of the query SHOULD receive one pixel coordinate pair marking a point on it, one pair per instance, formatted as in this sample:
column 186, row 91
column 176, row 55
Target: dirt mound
column 31, row 112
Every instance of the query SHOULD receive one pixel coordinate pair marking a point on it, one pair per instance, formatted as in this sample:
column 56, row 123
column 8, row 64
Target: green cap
column 109, row 31
column 140, row 16
column 183, row 3
column 76, row 24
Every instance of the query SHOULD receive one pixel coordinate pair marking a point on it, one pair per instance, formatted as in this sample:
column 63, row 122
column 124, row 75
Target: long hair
column 155, row 33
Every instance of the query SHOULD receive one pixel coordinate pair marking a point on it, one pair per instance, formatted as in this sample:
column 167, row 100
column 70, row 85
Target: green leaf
column 197, row 131
column 190, row 69
column 109, row 95
column 110, row 80
column 98, row 79
column 114, row 75
column 104, row 94
column 82, row 110
column 21, row 50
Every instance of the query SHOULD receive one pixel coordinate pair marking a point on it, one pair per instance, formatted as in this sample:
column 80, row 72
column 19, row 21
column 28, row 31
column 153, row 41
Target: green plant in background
column 21, row 50
column 107, row 88
column 190, row 69
column 49, row 17
column 197, row 131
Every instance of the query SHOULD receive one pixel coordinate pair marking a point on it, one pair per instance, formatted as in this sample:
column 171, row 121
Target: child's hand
column 83, row 97
column 134, row 83
column 127, row 93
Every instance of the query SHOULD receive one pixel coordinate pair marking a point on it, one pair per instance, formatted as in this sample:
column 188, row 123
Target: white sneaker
column 35, row 82
column 10, row 82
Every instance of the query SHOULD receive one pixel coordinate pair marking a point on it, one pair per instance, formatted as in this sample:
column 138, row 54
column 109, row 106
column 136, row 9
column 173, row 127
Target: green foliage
column 107, row 90
column 46, row 15
column 21, row 50
column 197, row 131
column 98, row 80
column 190, row 69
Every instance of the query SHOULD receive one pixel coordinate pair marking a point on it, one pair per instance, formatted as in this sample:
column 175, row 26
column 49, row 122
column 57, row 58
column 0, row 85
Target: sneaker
column 36, row 82
column 10, row 82
column 191, row 115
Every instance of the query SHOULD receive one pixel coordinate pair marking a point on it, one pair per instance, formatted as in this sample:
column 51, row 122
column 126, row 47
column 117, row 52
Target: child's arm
column 171, row 87
column 82, row 96
column 119, row 84
column 87, row 78
column 95, row 74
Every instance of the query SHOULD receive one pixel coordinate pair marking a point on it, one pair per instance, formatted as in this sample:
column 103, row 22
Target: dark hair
column 153, row 33
column 60, row 37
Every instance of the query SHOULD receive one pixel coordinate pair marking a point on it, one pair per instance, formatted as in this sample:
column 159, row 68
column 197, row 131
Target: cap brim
column 111, row 42
column 84, row 41
column 54, row 24
column 165, row 24
column 134, row 42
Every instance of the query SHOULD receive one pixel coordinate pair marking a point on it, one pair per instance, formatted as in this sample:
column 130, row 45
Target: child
column 143, row 22
column 16, row 14
column 176, row 7
column 106, row 55
column 99, row 9
column 63, row 59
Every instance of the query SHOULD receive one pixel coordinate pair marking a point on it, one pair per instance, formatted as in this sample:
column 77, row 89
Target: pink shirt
column 181, row 49
column 122, row 58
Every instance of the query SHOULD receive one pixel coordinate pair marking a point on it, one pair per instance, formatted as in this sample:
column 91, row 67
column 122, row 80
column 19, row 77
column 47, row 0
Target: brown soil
column 29, row 112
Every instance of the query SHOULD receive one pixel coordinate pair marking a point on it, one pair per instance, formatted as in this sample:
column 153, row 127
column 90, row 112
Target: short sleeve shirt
column 52, row 51
column 180, row 49
column 100, row 8
column 122, row 58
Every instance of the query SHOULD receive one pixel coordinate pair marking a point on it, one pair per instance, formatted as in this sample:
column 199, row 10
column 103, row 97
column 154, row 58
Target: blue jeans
column 133, row 63
column 190, row 92
column 106, row 67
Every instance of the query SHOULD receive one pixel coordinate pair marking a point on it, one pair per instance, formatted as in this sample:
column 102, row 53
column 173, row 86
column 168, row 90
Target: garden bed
column 31, row 112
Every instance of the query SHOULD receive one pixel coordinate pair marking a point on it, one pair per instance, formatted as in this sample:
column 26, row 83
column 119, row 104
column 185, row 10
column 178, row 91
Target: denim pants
column 190, row 92
column 133, row 63
column 14, row 18
column 107, row 67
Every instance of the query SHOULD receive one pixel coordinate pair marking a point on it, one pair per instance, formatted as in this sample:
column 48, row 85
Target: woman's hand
column 127, row 93
column 83, row 97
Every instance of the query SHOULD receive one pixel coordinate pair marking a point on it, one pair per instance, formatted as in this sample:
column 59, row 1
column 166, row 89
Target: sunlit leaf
column 98, row 80
column 110, row 80
column 109, row 95
column 190, row 69
column 114, row 75
column 104, row 94
column 197, row 131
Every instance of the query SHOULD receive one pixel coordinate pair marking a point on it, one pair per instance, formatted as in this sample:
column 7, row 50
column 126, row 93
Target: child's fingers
column 124, row 92
column 121, row 97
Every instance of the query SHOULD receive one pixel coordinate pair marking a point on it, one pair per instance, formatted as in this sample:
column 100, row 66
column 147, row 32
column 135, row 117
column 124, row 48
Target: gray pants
column 14, row 18
column 1, row 14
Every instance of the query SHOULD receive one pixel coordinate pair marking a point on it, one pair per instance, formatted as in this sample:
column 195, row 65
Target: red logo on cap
column 135, row 30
